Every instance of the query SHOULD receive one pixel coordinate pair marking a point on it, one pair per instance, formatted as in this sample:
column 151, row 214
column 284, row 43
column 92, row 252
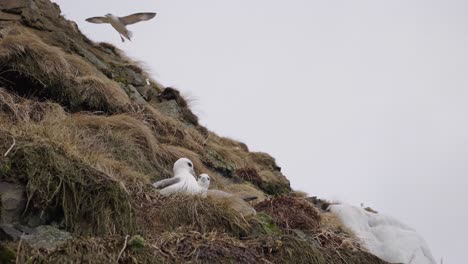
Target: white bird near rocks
column 183, row 180
column 120, row 23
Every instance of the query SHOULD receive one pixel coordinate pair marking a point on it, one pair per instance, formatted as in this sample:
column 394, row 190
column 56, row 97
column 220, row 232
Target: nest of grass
column 291, row 213
column 156, row 213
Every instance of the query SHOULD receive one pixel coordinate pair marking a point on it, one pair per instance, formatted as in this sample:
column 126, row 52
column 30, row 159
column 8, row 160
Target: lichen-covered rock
column 9, row 232
column 47, row 237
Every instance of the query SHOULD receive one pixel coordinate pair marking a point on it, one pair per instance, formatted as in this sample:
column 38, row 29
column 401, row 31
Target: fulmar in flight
column 120, row 23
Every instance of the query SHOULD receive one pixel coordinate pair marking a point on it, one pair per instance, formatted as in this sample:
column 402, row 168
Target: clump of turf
column 212, row 247
column 290, row 212
column 106, row 249
column 156, row 213
column 34, row 69
column 294, row 249
column 89, row 201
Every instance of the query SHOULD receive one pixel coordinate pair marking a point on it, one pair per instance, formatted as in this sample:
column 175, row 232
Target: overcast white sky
column 360, row 101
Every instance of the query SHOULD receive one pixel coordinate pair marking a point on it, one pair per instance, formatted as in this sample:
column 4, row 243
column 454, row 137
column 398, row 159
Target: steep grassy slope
column 86, row 131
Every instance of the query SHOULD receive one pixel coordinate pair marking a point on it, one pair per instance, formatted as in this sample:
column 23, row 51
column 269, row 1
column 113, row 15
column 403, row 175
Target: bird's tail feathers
column 130, row 35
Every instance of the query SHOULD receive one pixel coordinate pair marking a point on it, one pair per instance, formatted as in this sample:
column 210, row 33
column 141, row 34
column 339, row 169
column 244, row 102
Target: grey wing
column 134, row 18
column 249, row 198
column 98, row 20
column 165, row 183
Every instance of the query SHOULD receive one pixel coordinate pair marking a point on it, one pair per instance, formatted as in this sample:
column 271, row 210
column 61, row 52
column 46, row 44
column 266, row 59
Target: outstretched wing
column 165, row 183
column 132, row 19
column 98, row 20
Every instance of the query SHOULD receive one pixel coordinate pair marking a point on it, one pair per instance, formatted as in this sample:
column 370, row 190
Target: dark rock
column 14, row 6
column 133, row 93
column 9, row 232
column 89, row 56
column 13, row 201
column 47, row 237
column 172, row 94
column 9, row 17
column 170, row 108
column 147, row 92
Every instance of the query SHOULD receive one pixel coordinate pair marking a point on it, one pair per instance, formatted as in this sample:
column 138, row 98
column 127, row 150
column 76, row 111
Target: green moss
column 275, row 188
column 215, row 161
column 137, row 242
column 5, row 168
column 6, row 255
column 267, row 224
column 121, row 79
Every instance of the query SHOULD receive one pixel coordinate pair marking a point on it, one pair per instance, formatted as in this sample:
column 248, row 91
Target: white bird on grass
column 120, row 23
column 183, row 181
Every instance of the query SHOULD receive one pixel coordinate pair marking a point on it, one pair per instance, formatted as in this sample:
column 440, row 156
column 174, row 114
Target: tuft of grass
column 7, row 255
column 291, row 213
column 156, row 213
column 267, row 224
column 190, row 246
column 60, row 187
column 137, row 242
column 105, row 249
column 37, row 70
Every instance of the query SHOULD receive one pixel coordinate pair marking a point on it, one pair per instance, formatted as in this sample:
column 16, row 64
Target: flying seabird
column 120, row 23
column 183, row 181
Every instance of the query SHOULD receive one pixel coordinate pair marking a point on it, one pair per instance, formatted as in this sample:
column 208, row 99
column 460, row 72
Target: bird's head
column 184, row 165
column 204, row 181
column 109, row 15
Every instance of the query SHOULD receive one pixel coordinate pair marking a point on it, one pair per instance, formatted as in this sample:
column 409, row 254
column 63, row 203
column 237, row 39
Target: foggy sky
column 359, row 101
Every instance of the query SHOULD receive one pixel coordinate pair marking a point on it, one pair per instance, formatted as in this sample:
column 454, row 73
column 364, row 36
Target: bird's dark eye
column 190, row 164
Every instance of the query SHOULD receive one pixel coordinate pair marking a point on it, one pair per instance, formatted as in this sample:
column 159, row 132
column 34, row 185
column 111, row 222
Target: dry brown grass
column 18, row 109
column 212, row 247
column 62, row 187
column 245, row 190
column 334, row 235
column 291, row 213
column 156, row 214
column 35, row 69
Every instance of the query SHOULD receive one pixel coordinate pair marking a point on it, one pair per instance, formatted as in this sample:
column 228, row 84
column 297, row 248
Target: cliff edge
column 85, row 131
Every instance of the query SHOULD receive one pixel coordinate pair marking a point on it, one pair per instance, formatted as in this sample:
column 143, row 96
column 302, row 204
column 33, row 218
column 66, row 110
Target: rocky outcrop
column 47, row 238
column 92, row 130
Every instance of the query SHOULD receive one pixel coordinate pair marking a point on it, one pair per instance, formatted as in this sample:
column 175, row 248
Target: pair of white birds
column 120, row 23
column 184, row 180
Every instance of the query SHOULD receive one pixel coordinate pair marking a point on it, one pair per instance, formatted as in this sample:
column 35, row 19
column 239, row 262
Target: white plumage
column 120, row 23
column 183, row 181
